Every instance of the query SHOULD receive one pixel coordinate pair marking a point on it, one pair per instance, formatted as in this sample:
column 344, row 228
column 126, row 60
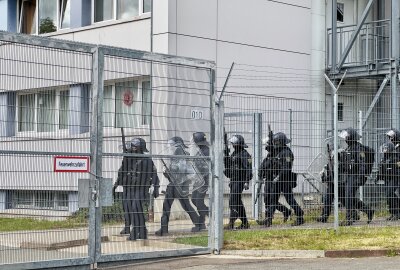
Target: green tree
column 47, row 26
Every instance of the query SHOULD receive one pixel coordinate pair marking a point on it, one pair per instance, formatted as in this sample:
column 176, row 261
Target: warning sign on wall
column 71, row 164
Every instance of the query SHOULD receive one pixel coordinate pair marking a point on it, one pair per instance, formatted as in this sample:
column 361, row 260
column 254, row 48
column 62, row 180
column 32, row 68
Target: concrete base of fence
column 59, row 245
column 312, row 254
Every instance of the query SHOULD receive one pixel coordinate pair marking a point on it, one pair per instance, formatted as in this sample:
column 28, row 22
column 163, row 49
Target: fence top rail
column 81, row 47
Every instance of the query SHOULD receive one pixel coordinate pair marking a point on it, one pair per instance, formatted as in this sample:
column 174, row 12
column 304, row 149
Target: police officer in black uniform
column 391, row 171
column 353, row 171
column 125, row 181
column 284, row 180
column 202, row 149
column 178, row 187
column 327, row 178
column 143, row 174
column 239, row 170
column 266, row 173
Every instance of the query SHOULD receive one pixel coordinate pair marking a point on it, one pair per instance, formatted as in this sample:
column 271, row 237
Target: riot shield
column 180, row 170
column 201, row 168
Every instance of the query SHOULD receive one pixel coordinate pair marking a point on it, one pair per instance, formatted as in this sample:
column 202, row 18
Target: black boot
column 286, row 215
column 393, row 218
column 142, row 233
column 268, row 222
column 125, row 230
column 347, row 222
column 299, row 221
column 323, row 219
column 161, row 232
column 243, row 226
column 370, row 215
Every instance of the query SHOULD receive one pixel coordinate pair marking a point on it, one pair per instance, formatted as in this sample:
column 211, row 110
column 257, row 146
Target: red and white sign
column 71, row 164
column 128, row 98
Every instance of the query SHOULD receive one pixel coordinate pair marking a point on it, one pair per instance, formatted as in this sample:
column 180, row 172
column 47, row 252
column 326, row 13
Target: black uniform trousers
column 352, row 203
column 393, row 200
column 136, row 199
column 268, row 196
column 171, row 194
column 198, row 197
column 330, row 195
column 287, row 192
column 235, row 202
column 127, row 201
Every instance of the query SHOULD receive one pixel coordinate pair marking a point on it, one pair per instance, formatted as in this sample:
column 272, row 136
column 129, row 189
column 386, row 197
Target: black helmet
column 349, row 135
column 139, row 143
column 177, row 141
column 387, row 147
column 280, row 139
column 200, row 138
column 238, row 140
column 394, row 135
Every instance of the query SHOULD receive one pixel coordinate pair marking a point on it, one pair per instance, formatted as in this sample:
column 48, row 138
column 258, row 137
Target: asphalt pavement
column 208, row 262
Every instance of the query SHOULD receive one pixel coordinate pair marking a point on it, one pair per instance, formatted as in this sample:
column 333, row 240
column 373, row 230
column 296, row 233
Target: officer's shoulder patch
column 249, row 160
column 398, row 164
column 362, row 154
column 288, row 159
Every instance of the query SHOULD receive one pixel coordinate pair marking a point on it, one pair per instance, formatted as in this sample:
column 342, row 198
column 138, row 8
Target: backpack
column 369, row 159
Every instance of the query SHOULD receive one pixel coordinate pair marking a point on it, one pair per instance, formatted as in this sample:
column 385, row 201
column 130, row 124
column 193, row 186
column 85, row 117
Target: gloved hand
column 246, row 186
column 156, row 192
column 113, row 191
column 276, row 179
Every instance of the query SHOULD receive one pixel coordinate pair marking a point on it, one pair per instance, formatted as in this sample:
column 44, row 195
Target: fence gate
column 62, row 107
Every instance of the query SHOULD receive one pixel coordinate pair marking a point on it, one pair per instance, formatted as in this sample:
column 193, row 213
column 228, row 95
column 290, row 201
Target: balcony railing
column 372, row 46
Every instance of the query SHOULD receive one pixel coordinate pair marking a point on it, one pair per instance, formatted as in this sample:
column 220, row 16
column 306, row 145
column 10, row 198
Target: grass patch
column 30, row 224
column 199, row 240
column 306, row 239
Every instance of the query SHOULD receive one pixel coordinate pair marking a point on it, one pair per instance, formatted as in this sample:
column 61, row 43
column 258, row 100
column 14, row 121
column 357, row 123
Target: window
column 146, row 6
column 340, row 112
column 47, row 16
column 126, row 105
column 146, row 103
column 108, row 103
column 26, row 113
column 46, row 110
column 65, row 14
column 27, row 17
column 127, row 9
column 43, row 16
column 63, row 112
column 105, row 10
column 340, row 12
column 29, row 199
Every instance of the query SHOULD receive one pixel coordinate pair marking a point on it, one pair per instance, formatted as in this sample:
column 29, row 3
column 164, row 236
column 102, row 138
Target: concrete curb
column 312, row 254
column 304, row 254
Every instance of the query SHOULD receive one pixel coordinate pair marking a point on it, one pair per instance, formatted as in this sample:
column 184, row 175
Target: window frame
column 115, row 12
column 337, row 10
column 58, row 22
column 139, row 100
column 36, row 93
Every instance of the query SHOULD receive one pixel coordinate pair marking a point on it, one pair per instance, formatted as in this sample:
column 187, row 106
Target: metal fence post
column 257, row 154
column 336, row 161
column 290, row 125
column 96, row 152
column 219, row 178
column 360, row 127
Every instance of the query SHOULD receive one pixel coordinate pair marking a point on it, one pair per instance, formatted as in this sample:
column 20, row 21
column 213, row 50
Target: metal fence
column 307, row 199
column 73, row 193
column 63, row 107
